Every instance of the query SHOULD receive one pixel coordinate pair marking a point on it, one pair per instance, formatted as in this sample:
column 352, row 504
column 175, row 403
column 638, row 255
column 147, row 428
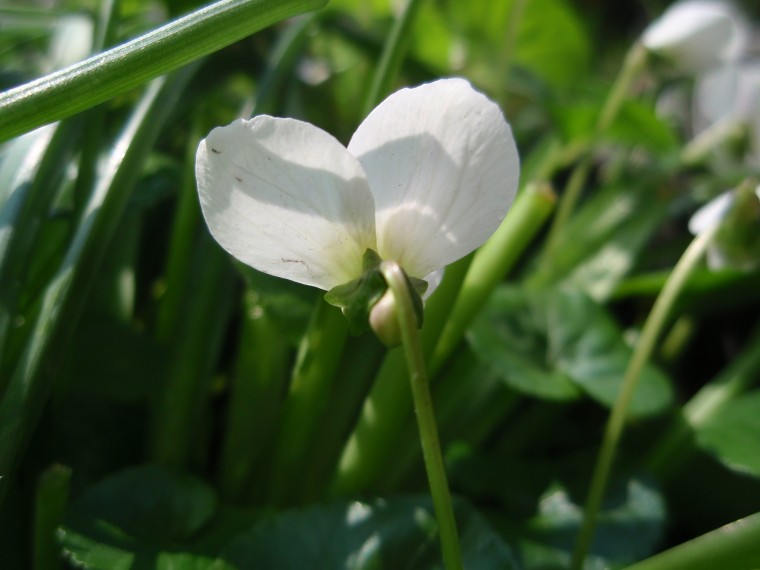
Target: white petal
column 711, row 213
column 443, row 167
column 286, row 198
column 433, row 280
column 731, row 93
column 696, row 34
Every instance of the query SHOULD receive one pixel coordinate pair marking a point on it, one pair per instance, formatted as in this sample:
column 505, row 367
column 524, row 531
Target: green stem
column 124, row 67
column 50, row 504
column 653, row 328
column 380, row 429
column 735, row 546
column 492, row 262
column 516, row 11
column 179, row 416
column 362, row 358
column 431, row 449
column 313, row 377
column 634, row 63
column 260, row 381
column 393, row 54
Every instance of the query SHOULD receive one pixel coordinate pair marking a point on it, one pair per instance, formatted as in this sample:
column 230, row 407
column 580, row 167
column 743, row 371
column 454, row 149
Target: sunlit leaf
column 552, row 343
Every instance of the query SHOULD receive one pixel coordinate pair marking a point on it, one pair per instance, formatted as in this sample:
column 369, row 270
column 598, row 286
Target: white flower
column 738, row 246
column 731, row 93
column 426, row 179
column 695, row 35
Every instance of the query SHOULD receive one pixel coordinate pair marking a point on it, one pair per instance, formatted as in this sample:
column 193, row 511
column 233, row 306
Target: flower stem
column 431, row 448
column 634, row 63
column 653, row 327
column 393, row 53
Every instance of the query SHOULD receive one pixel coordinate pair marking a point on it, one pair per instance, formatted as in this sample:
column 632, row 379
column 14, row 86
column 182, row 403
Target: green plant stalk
column 380, row 429
column 50, row 504
column 469, row 403
column 23, row 212
column 392, row 56
column 179, row 417
column 516, row 11
column 258, row 385
column 737, row 378
column 651, row 332
column 635, row 62
column 117, row 70
column 423, row 404
column 315, row 371
column 363, row 356
column 735, row 546
column 181, row 245
column 65, row 296
column 492, row 262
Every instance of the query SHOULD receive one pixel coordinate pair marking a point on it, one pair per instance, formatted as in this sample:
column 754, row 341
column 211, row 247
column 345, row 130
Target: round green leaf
column 554, row 343
column 398, row 534
column 732, row 434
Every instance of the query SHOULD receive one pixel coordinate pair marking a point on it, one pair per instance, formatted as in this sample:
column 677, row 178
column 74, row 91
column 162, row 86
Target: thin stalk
column 653, row 329
column 181, row 245
column 393, row 54
column 101, row 77
column 423, row 404
column 380, row 429
column 735, row 546
column 634, row 64
column 516, row 11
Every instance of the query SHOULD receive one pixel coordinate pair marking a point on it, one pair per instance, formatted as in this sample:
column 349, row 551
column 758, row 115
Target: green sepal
column 417, row 288
column 357, row 297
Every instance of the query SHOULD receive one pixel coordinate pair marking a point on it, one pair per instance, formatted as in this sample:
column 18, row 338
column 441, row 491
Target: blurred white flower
column 731, row 93
column 427, row 177
column 695, row 35
column 737, row 244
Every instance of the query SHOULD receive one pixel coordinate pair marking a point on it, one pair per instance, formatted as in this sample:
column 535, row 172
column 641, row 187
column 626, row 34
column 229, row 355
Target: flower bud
column 383, row 318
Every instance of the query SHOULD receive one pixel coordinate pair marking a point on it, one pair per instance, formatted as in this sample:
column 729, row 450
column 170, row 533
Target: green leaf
column 638, row 125
column 635, row 125
column 602, row 242
column 540, row 498
column 629, row 527
column 553, row 343
column 559, row 63
column 397, row 534
column 732, row 434
column 136, row 518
